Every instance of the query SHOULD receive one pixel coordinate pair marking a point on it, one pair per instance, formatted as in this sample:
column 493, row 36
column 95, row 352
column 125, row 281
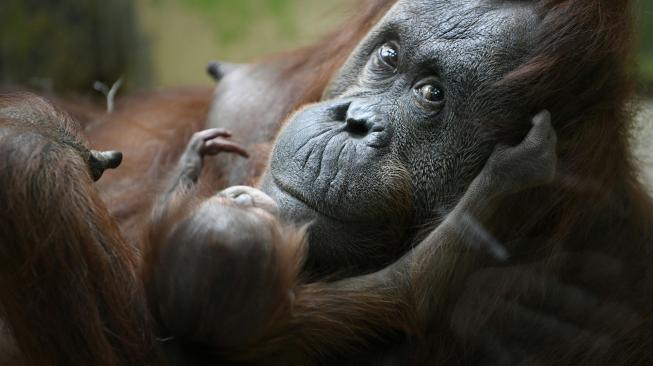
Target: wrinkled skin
column 375, row 159
column 412, row 160
column 233, row 244
column 324, row 170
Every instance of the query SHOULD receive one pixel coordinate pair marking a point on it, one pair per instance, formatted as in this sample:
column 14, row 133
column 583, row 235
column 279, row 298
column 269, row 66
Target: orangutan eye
column 430, row 93
column 389, row 55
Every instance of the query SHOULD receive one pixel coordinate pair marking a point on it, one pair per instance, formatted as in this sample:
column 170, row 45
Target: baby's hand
column 212, row 142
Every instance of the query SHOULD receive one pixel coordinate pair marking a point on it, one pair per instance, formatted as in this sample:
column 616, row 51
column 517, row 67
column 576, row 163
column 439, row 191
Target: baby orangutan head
column 244, row 264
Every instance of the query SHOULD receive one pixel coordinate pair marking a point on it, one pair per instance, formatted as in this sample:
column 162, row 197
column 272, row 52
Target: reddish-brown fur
column 579, row 70
column 597, row 203
column 69, row 285
column 153, row 129
column 275, row 313
column 280, row 261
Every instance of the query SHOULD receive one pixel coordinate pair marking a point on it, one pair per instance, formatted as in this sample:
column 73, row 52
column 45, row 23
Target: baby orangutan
column 224, row 273
column 227, row 260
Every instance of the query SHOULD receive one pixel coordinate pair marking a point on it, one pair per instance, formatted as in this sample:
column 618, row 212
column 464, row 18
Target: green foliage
column 228, row 17
column 645, row 15
column 68, row 44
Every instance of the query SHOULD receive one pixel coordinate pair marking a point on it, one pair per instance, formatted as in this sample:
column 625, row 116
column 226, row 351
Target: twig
column 109, row 93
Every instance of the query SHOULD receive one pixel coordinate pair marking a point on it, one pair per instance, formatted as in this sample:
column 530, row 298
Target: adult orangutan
column 399, row 130
column 485, row 64
column 234, row 246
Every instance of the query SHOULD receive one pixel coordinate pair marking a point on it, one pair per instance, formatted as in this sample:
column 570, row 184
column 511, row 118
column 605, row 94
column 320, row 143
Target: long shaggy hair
column 70, row 291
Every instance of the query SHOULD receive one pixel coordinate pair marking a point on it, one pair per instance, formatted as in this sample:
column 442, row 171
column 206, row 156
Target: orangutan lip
column 300, row 197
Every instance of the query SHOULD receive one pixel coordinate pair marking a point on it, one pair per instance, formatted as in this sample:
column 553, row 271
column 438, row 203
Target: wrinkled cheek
column 393, row 185
column 440, row 184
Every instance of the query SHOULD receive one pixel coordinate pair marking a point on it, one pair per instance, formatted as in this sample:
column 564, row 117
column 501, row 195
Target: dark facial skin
column 226, row 271
column 399, row 135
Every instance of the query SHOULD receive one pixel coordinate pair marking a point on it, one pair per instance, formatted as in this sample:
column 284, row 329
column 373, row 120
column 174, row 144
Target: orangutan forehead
column 459, row 39
column 434, row 20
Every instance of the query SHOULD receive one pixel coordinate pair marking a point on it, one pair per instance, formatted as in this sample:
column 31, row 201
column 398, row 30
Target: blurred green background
column 645, row 60
column 66, row 45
